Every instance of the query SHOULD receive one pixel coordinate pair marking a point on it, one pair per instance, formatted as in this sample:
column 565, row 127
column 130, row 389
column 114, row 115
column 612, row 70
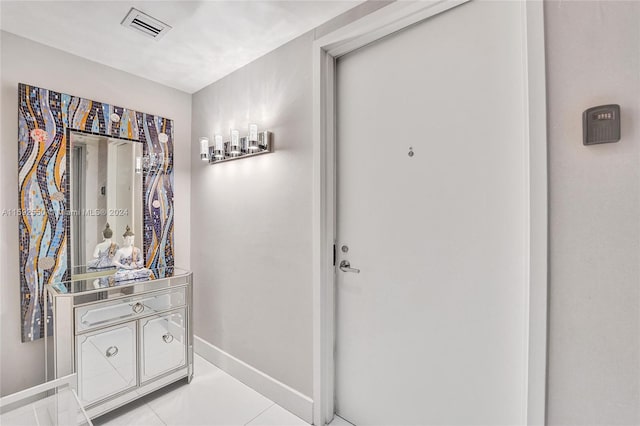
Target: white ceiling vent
column 145, row 24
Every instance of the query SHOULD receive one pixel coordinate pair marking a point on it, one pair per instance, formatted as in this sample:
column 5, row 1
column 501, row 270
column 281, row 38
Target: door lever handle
column 345, row 266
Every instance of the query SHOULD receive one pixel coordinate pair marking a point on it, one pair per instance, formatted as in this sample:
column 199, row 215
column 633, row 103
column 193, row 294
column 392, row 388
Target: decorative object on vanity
column 104, row 251
column 128, row 259
column 255, row 143
column 124, row 341
column 46, row 120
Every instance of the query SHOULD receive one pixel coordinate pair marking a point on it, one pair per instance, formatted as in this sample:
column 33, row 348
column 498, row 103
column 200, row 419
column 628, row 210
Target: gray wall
column 593, row 58
column 22, row 364
column 251, row 219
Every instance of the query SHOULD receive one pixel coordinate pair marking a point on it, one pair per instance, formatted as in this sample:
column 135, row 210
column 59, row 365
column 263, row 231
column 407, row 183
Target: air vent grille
column 145, row 24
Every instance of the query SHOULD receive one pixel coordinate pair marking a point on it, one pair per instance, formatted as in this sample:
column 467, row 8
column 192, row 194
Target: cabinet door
column 163, row 344
column 106, row 362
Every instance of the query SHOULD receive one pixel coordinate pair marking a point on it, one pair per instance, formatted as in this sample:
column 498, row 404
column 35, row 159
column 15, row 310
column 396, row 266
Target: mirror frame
column 45, row 120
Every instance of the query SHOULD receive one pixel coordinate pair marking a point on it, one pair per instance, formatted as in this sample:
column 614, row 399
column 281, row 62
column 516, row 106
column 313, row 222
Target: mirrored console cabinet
column 123, row 339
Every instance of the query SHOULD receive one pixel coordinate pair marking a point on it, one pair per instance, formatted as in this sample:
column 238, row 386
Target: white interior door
column 432, row 205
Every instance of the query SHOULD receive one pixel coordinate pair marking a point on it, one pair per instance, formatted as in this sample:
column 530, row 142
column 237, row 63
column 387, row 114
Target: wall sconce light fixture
column 255, row 143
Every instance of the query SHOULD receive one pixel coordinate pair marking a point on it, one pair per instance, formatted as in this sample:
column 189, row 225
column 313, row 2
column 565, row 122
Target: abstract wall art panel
column 45, row 119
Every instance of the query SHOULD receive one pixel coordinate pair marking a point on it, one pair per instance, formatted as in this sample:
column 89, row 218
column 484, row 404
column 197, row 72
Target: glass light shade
column 235, row 142
column 204, row 149
column 253, row 137
column 218, row 152
column 264, row 140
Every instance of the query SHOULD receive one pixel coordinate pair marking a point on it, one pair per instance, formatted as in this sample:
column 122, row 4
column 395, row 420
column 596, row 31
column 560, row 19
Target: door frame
column 326, row 50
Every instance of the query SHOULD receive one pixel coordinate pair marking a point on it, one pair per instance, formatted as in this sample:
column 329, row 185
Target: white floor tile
column 339, row 421
column 202, row 365
column 212, row 398
column 135, row 414
column 277, row 416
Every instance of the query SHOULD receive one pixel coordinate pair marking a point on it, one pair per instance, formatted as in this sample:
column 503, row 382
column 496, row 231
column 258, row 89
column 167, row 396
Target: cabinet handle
column 138, row 307
column 111, row 351
column 168, row 338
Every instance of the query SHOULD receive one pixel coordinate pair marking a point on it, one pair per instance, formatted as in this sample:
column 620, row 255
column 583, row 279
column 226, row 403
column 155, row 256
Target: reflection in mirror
column 106, row 198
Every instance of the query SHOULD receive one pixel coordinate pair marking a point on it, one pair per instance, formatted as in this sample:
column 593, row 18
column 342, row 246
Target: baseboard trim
column 283, row 395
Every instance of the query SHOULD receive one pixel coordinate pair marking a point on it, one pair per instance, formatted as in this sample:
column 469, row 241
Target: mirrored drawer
column 163, row 344
column 105, row 313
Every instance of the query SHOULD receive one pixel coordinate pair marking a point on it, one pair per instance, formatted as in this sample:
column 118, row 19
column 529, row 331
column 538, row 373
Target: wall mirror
column 106, row 198
column 103, row 146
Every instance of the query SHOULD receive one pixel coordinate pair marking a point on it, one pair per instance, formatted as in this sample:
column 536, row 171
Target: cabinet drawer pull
column 138, row 307
column 168, row 338
column 111, row 351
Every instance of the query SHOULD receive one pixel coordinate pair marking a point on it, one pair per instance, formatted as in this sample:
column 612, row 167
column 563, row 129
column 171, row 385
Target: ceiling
column 209, row 39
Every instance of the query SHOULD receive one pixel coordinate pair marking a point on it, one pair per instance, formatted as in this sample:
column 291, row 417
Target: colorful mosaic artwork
column 44, row 118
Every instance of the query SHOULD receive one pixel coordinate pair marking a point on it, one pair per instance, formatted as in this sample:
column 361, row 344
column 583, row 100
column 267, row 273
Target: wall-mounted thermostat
column 601, row 124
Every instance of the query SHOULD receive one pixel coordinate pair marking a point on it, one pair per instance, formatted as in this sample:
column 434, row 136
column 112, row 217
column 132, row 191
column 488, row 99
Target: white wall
column 22, row 365
column 593, row 58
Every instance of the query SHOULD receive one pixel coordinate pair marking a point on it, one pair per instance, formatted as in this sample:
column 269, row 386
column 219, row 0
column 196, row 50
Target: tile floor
column 212, row 398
